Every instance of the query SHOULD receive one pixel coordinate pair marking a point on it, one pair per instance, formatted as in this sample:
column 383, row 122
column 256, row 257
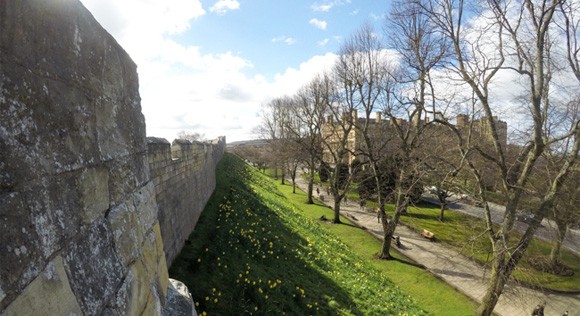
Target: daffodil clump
column 253, row 253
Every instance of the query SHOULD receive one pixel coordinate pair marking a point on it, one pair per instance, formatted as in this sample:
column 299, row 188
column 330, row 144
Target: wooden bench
column 427, row 234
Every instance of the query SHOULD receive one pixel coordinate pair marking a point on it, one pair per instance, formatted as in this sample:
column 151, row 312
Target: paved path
column 459, row 271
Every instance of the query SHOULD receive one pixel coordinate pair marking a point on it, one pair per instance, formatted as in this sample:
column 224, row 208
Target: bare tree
column 443, row 168
column 565, row 213
column 309, row 106
column 340, row 139
column 516, row 38
column 403, row 94
column 570, row 29
column 191, row 136
column 273, row 129
column 364, row 77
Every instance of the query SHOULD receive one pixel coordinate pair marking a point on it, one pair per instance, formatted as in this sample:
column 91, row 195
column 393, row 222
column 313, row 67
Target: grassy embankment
column 255, row 252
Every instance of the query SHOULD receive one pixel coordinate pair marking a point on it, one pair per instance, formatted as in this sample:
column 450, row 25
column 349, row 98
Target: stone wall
column 78, row 218
column 184, row 177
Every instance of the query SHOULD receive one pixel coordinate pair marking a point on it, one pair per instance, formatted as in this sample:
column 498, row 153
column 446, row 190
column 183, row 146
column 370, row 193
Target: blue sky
column 274, row 35
column 208, row 66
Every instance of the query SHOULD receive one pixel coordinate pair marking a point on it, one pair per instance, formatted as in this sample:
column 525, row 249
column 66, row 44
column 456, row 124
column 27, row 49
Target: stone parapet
column 184, row 178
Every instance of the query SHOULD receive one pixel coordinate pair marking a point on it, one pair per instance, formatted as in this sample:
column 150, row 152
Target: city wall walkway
column 457, row 270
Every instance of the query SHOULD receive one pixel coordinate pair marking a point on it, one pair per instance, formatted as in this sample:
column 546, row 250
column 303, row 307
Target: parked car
column 526, row 218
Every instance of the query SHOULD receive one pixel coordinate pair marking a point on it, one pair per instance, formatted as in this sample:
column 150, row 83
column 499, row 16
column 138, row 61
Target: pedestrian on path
column 379, row 215
column 363, row 203
column 539, row 310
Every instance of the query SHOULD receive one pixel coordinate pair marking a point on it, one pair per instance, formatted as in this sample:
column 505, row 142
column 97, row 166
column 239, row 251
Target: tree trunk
column 494, row 290
column 442, row 211
column 336, row 209
column 293, row 177
column 506, row 260
column 389, row 226
column 561, row 234
column 310, row 186
column 283, row 176
column 388, row 233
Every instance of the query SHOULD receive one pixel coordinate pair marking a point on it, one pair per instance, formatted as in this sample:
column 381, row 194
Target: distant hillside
column 253, row 252
column 252, row 142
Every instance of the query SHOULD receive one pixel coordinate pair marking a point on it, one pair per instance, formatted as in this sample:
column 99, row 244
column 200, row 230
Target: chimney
column 416, row 120
column 427, row 120
column 462, row 120
column 378, row 120
column 354, row 115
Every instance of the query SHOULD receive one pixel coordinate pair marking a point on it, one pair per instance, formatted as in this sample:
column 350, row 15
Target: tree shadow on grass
column 405, row 261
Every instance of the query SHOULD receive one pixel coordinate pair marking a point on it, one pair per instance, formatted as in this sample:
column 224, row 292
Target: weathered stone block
column 133, row 293
column 152, row 251
column 20, row 261
column 94, row 268
column 53, row 203
column 153, row 305
column 48, row 294
column 127, row 231
column 179, row 301
column 93, row 187
column 162, row 270
column 146, row 205
column 142, row 169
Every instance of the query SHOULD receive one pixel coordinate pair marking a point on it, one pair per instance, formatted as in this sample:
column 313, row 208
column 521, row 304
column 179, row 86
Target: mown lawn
column 433, row 294
column 255, row 252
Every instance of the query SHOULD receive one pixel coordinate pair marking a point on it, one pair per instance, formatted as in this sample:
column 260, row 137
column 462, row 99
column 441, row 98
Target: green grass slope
column 254, row 252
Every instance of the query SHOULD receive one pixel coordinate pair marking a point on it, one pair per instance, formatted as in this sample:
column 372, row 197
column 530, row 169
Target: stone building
column 383, row 133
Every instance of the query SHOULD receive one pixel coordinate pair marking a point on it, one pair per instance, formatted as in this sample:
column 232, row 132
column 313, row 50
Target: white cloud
column 182, row 88
column 223, row 6
column 292, row 79
column 326, row 6
column 284, row 39
column 321, row 24
column 120, row 17
column 323, row 42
